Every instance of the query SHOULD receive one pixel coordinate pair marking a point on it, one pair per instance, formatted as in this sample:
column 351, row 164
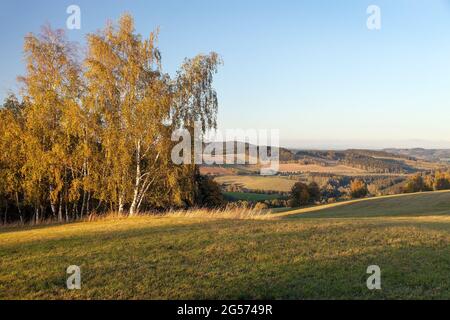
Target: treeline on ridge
column 372, row 161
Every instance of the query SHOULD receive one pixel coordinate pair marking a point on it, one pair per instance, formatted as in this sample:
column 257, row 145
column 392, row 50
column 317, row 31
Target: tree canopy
column 94, row 133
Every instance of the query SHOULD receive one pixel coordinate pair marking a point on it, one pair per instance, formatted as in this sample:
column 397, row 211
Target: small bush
column 261, row 206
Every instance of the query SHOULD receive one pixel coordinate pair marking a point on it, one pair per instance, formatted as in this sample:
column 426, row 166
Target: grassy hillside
column 407, row 205
column 280, row 257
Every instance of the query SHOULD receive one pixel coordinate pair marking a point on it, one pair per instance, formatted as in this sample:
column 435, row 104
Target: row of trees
column 372, row 161
column 372, row 164
column 303, row 194
column 435, row 181
column 94, row 134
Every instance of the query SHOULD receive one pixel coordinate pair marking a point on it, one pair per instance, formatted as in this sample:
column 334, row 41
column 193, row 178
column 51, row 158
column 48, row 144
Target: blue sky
column 309, row 68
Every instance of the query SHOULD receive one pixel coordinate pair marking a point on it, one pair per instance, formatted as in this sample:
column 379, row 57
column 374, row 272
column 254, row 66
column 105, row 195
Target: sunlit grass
column 184, row 256
column 416, row 204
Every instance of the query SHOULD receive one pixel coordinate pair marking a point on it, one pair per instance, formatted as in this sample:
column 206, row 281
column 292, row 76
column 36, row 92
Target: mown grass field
column 250, row 196
column 253, row 182
column 335, row 169
column 293, row 255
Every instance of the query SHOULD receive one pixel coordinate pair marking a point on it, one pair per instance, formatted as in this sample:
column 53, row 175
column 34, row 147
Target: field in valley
column 250, row 196
column 319, row 252
column 315, row 168
column 257, row 182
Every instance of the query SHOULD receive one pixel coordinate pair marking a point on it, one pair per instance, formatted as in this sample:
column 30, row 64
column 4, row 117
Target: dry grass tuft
column 227, row 213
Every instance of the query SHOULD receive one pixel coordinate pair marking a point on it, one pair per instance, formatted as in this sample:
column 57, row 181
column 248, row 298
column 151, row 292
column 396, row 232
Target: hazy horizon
column 370, row 144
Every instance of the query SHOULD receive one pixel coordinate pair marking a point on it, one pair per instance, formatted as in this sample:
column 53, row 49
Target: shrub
column 358, row 189
column 441, row 181
column 415, row 184
column 209, row 194
column 314, row 191
column 299, row 195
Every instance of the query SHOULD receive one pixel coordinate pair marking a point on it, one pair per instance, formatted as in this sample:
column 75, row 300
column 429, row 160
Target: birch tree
column 195, row 101
column 51, row 94
column 12, row 156
column 126, row 86
column 97, row 135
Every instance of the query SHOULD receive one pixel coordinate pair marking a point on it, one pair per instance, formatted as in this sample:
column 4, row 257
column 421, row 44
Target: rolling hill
column 402, row 205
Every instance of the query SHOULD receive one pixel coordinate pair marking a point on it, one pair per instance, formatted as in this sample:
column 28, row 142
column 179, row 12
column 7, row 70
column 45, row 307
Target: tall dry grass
column 227, row 213
column 219, row 213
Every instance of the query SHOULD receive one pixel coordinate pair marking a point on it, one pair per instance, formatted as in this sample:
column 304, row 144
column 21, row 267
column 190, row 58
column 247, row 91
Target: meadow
column 250, row 196
column 310, row 253
column 315, row 168
column 257, row 182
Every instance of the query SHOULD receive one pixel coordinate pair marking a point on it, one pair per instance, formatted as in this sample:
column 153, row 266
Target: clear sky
column 309, row 68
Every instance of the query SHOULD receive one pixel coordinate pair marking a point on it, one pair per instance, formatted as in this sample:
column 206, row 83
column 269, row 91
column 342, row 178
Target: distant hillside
column 236, row 146
column 371, row 161
column 387, row 161
column 435, row 155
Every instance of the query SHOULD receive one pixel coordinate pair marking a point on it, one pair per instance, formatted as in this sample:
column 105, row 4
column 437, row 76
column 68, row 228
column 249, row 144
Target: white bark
column 137, row 182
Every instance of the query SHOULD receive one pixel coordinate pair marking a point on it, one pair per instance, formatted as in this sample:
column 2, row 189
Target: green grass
column 250, row 196
column 410, row 205
column 324, row 254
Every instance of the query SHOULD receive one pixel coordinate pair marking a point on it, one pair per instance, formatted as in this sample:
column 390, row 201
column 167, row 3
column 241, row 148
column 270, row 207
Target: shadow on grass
column 27, row 227
column 410, row 272
column 226, row 259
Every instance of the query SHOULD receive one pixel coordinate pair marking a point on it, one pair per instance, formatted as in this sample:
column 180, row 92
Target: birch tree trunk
column 37, row 216
column 120, row 204
column 52, row 203
column 60, row 210
column 137, row 182
column 18, row 207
